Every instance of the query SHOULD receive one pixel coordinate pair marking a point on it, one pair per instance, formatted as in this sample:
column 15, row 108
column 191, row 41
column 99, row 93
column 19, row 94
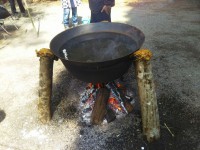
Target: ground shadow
column 37, row 13
column 176, row 95
column 11, row 22
column 122, row 133
column 182, row 122
column 177, row 98
column 2, row 115
column 63, row 104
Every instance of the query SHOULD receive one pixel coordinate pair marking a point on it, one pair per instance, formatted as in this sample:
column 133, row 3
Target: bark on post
column 147, row 95
column 45, row 84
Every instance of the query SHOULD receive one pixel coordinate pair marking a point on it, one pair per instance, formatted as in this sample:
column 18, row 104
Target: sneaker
column 66, row 27
column 24, row 14
column 75, row 24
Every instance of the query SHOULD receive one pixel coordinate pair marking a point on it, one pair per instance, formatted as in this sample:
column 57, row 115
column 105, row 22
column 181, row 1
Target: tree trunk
column 45, row 89
column 45, row 84
column 148, row 100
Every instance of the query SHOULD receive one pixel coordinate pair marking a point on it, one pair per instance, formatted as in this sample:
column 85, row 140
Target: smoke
column 101, row 49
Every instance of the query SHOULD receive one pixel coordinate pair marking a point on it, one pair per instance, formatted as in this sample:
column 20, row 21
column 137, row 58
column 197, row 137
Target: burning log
column 114, row 107
column 45, row 83
column 126, row 99
column 110, row 115
column 117, row 95
column 128, row 106
column 147, row 94
column 99, row 109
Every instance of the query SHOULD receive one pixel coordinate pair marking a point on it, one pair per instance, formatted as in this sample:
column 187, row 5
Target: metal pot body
column 116, row 61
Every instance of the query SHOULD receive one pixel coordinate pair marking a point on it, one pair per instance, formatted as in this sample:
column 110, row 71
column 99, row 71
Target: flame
column 99, row 85
column 91, row 95
column 112, row 101
column 120, row 86
column 89, row 86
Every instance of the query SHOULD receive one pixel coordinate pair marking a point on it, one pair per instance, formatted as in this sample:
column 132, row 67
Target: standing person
column 68, row 5
column 21, row 7
column 101, row 10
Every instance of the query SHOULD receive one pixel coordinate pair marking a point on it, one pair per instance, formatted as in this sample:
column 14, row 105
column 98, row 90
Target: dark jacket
column 97, row 5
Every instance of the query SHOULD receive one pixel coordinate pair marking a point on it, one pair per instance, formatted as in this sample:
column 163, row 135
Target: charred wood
column 99, row 109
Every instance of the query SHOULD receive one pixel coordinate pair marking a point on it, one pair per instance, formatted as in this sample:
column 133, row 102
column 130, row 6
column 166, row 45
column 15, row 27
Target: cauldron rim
column 96, row 61
column 81, row 32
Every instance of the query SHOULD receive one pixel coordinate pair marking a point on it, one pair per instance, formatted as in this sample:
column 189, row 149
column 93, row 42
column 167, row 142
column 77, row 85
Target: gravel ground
column 172, row 32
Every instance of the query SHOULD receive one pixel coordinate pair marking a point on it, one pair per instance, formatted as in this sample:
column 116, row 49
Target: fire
column 99, row 85
column 113, row 101
column 89, row 86
column 121, row 87
column 114, row 104
column 96, row 86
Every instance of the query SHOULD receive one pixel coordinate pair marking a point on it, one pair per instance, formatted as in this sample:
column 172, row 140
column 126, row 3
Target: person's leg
column 100, row 16
column 12, row 6
column 21, row 7
column 74, row 16
column 66, row 13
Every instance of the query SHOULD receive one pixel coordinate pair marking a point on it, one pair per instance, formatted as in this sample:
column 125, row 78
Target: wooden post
column 147, row 95
column 45, row 84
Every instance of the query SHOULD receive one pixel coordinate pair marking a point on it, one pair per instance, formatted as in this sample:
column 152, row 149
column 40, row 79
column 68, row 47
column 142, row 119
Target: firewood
column 99, row 109
column 128, row 106
column 110, row 114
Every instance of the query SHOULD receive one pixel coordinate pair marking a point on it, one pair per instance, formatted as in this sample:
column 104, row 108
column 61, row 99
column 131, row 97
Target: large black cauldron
column 97, row 52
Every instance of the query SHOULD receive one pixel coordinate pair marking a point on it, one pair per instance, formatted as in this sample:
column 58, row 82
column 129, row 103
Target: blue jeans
column 13, row 8
column 66, row 15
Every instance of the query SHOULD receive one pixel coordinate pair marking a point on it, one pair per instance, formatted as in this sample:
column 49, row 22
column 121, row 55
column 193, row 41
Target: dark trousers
column 13, row 8
column 100, row 16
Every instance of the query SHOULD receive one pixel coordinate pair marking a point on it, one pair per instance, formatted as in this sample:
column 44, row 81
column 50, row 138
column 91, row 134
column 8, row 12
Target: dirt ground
column 172, row 33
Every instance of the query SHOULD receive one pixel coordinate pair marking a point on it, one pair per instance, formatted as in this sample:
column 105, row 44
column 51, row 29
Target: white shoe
column 75, row 24
column 66, row 27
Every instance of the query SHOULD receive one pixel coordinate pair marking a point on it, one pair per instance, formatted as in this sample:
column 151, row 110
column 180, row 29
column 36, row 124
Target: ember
column 117, row 104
